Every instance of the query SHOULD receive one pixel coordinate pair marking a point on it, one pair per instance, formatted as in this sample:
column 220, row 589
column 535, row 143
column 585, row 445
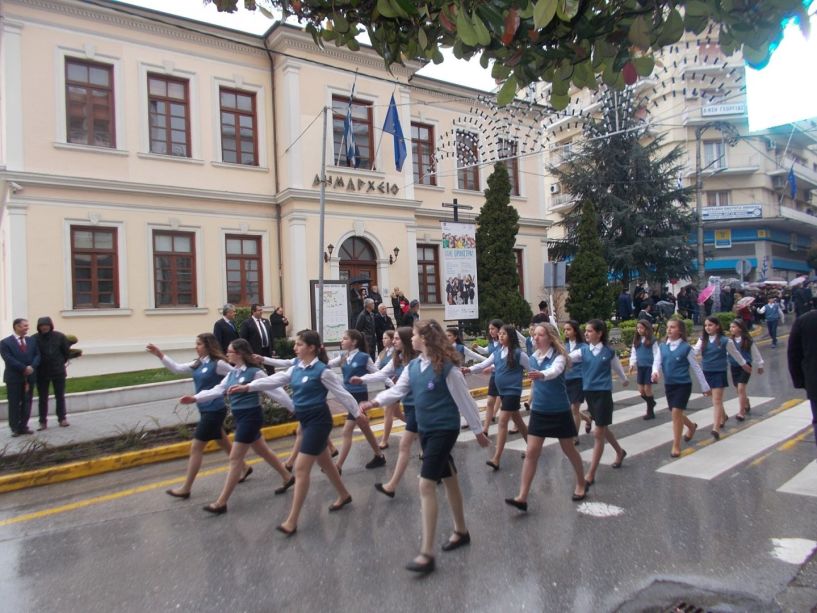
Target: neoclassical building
column 153, row 168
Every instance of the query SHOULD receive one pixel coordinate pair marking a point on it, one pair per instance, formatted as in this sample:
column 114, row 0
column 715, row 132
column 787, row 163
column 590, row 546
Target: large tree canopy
column 563, row 42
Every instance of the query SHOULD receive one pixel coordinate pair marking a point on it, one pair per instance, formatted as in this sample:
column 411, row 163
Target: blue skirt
column 437, row 461
column 360, row 397
column 574, row 390
column 316, row 426
column 492, row 390
column 552, row 425
column 411, row 418
column 678, row 394
column 644, row 375
column 210, row 425
column 716, row 378
column 248, row 424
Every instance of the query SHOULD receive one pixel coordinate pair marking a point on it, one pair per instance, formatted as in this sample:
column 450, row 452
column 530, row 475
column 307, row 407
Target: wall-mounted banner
column 460, row 271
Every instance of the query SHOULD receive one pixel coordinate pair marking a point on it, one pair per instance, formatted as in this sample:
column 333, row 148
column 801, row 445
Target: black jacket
column 366, row 326
column 381, row 324
column 802, row 353
column 54, row 349
column 278, row 324
column 224, row 333
column 249, row 331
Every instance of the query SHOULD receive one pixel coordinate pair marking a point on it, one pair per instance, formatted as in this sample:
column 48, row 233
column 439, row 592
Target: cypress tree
column 589, row 295
column 497, row 226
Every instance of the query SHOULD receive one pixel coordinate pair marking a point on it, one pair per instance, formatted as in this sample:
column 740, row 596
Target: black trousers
column 43, row 383
column 20, row 400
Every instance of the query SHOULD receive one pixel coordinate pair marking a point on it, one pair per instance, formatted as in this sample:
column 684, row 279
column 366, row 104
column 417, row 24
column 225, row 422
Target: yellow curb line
column 162, row 453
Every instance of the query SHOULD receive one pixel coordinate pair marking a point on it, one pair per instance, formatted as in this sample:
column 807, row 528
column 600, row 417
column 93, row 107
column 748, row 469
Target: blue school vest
column 596, row 374
column 245, row 400
column 747, row 354
column 643, row 354
column 508, row 380
column 675, row 364
column 308, row 391
column 356, row 367
column 574, row 371
column 435, row 408
column 205, row 377
column 549, row 396
column 714, row 355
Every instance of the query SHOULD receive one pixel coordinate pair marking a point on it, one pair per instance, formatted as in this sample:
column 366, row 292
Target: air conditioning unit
column 555, row 188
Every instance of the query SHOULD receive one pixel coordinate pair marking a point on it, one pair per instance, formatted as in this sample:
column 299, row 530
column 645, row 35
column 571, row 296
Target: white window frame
column 717, row 159
column 237, row 82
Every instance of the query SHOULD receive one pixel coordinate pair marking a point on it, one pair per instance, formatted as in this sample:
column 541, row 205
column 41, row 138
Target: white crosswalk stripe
column 803, row 483
column 715, row 460
column 651, row 438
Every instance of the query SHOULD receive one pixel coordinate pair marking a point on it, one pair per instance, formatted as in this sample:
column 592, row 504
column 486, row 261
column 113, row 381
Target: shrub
column 284, row 348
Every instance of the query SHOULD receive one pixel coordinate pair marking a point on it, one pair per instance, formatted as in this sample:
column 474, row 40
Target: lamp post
column 731, row 136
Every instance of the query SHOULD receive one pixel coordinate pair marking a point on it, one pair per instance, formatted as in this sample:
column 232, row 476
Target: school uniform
column 646, row 359
column 206, row 375
column 386, row 358
column 550, row 414
column 439, row 400
column 573, row 376
column 389, row 375
column 493, row 346
column 597, row 379
column 750, row 356
column 774, row 316
column 507, row 379
column 310, row 383
column 714, row 352
column 245, row 406
column 677, row 358
column 354, row 364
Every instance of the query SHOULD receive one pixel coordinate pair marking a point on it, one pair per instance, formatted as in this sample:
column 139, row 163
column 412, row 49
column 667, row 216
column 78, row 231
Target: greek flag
column 352, row 152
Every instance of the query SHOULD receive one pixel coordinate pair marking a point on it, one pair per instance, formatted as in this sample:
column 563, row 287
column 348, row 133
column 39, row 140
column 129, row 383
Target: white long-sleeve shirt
column 615, row 363
column 524, row 361
column 457, row 387
column 470, row 355
column 335, row 362
column 656, row 357
column 781, row 309
column 757, row 359
column 328, row 379
column 730, row 349
column 279, row 396
column 556, row 368
column 693, row 364
column 222, row 367
column 278, row 362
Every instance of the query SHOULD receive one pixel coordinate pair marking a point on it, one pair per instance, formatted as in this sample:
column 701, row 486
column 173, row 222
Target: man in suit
column 802, row 355
column 21, row 356
column 224, row 329
column 365, row 324
column 382, row 322
column 257, row 331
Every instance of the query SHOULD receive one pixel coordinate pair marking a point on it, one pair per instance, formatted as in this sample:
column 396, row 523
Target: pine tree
column 644, row 218
column 589, row 295
column 497, row 225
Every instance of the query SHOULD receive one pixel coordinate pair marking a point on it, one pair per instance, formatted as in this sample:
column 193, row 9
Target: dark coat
column 224, row 333
column 802, row 353
column 365, row 324
column 54, row 350
column 249, row 332
column 279, row 324
column 381, row 324
column 17, row 361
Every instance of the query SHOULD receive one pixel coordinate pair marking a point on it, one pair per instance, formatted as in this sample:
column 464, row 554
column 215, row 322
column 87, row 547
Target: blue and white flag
column 393, row 127
column 792, row 183
column 352, row 152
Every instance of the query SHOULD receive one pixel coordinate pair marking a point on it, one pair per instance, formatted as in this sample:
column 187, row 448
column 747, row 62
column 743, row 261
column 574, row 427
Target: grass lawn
column 120, row 379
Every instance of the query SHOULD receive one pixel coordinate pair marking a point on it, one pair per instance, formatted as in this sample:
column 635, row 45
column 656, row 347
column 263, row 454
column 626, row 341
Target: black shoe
column 650, row 414
column 716, row 435
column 286, row 532
column 618, row 463
column 376, row 462
column 688, row 437
column 522, row 506
column 464, row 539
column 183, row 496
column 246, row 475
column 210, row 508
column 334, row 454
column 578, row 497
column 422, row 567
column 285, row 486
column 492, row 465
column 337, row 507
column 26, row 431
column 748, row 407
column 379, row 487
column 527, row 406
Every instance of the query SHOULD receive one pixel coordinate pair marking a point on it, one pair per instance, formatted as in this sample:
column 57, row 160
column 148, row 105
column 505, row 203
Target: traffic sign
column 743, row 267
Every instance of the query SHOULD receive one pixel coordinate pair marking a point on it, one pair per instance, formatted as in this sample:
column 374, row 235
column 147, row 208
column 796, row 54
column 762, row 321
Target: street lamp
column 731, row 137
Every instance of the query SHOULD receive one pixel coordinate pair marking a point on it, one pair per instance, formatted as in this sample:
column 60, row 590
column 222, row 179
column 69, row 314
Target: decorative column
column 292, row 126
column 300, row 312
column 11, row 135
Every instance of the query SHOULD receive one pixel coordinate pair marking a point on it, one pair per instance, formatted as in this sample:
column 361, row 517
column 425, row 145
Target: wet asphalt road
column 118, row 543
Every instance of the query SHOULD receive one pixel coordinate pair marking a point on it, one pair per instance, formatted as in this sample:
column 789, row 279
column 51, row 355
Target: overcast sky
column 453, row 70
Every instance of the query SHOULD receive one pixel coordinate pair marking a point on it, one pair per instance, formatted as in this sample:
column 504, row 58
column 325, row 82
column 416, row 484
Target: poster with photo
column 335, row 309
column 459, row 271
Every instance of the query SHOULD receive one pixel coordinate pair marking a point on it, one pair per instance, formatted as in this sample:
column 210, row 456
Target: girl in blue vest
column 714, row 348
column 440, row 395
column 598, row 361
column 355, row 362
column 466, row 355
column 550, row 412
column 310, row 379
column 740, row 376
column 403, row 354
column 773, row 313
column 209, row 367
column 645, row 359
column 494, row 326
column 510, row 364
column 677, row 358
column 246, row 410
column 389, row 412
column 574, row 340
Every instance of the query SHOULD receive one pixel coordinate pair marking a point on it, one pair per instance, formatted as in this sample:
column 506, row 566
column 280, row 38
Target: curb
column 161, row 453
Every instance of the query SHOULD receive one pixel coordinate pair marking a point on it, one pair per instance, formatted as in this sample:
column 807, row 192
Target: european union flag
column 393, row 127
column 792, row 183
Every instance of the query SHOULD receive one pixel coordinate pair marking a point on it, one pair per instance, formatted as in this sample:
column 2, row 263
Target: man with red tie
column 21, row 357
column 257, row 332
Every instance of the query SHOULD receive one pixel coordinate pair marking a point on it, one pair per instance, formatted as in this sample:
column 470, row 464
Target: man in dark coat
column 224, row 329
column 382, row 322
column 802, row 357
column 257, row 331
column 624, row 305
column 21, row 356
column 374, row 294
column 54, row 353
column 365, row 324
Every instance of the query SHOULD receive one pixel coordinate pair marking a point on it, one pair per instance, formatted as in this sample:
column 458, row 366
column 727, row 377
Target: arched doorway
column 357, row 262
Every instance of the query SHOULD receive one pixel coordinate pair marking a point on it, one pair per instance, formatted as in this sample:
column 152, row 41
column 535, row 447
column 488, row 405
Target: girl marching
column 645, row 359
column 677, row 358
column 246, row 410
column 714, row 348
column 389, row 412
column 574, row 341
column 550, row 412
column 598, row 362
column 355, row 362
column 310, row 380
column 440, row 395
column 510, row 364
column 740, row 376
column 494, row 326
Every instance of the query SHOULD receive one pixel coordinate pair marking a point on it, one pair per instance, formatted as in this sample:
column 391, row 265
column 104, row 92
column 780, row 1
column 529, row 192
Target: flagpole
column 321, row 227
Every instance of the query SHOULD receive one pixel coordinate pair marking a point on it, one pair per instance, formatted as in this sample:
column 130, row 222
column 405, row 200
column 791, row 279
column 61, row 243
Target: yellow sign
column 723, row 239
column 762, row 234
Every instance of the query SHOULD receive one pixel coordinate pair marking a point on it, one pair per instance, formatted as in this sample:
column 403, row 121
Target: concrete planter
column 115, row 397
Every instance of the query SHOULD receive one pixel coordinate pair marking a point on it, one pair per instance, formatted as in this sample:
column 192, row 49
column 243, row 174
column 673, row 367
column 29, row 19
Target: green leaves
column 543, row 13
column 507, row 91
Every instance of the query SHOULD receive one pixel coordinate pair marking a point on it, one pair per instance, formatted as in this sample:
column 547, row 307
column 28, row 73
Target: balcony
column 560, row 203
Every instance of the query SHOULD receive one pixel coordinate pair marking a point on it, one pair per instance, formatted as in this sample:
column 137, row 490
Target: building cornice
column 445, row 215
column 150, row 22
column 353, row 198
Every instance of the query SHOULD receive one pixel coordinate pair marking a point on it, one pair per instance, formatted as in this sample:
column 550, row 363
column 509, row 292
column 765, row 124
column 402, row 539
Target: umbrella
column 744, row 302
column 705, row 293
column 798, row 281
column 773, row 283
